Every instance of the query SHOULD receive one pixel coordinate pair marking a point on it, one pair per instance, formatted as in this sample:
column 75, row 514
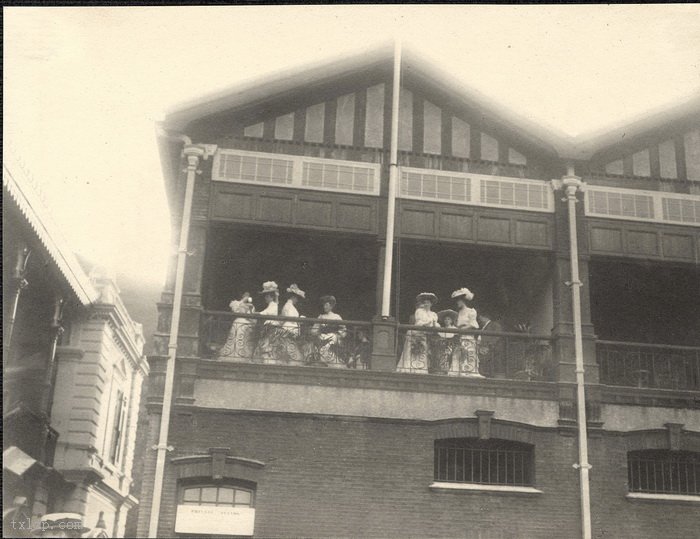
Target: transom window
column 664, row 472
column 488, row 462
column 225, row 495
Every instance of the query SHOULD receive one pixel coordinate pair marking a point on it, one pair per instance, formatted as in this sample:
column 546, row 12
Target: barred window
column 664, row 472
column 222, row 496
column 488, row 462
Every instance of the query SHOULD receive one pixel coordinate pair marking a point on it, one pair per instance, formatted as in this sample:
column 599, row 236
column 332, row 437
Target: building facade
column 73, row 367
column 282, row 435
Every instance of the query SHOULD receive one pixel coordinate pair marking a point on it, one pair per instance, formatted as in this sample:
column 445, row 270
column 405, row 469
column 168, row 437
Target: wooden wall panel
column 473, row 224
column 531, row 233
column 275, row 208
column 644, row 240
column 607, row 240
column 355, row 216
column 456, row 226
column 291, row 207
column 314, row 212
column 418, row 223
column 491, row 230
column 678, row 246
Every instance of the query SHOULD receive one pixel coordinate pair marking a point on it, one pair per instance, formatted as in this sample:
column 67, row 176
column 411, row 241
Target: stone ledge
column 663, row 498
column 366, row 379
column 477, row 488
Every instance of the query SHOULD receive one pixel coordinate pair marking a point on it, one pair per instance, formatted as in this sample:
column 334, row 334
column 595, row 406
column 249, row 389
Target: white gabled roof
column 18, row 187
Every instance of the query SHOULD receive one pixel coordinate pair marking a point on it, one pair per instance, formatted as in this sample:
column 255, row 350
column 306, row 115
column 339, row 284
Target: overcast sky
column 84, row 86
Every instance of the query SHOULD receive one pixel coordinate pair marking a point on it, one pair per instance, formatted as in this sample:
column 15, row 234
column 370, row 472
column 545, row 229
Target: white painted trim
column 298, row 162
column 663, row 497
column 475, row 192
column 657, row 198
column 477, row 487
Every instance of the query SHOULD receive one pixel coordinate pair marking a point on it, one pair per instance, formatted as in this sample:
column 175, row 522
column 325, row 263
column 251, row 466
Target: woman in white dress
column 466, row 353
column 269, row 328
column 289, row 343
column 330, row 337
column 239, row 345
column 416, row 349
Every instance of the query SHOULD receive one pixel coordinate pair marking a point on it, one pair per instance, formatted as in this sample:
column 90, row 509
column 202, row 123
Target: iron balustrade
column 649, row 365
column 664, row 472
column 489, row 462
column 256, row 338
column 501, row 354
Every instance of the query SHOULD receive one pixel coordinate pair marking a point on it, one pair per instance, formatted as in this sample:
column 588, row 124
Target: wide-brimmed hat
column 294, row 289
column 427, row 295
column 463, row 293
column 447, row 313
column 269, row 287
column 328, row 299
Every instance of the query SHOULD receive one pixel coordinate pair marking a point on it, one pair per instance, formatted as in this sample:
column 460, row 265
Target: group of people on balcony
column 292, row 341
column 274, row 341
column 457, row 353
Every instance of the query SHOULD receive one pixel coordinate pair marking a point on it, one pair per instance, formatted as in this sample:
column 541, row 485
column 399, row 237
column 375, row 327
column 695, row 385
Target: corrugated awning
column 32, row 208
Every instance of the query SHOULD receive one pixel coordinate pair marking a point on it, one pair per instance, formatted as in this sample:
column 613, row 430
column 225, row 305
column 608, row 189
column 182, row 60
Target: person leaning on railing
column 239, row 344
column 467, row 354
column 269, row 330
column 416, row 350
column 330, row 337
column 290, row 347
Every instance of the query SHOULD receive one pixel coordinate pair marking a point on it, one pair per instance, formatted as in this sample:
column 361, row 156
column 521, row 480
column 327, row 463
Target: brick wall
column 342, row 477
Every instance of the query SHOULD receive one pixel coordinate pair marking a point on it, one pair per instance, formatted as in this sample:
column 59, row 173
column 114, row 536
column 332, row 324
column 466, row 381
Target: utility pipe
column 193, row 154
column 19, row 275
column 393, row 179
column 572, row 184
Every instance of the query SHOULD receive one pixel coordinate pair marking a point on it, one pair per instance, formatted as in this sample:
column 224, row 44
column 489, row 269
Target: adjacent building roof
column 18, row 188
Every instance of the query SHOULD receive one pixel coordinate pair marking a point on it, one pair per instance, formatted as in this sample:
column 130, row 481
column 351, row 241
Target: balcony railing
column 455, row 352
column 649, row 365
column 281, row 340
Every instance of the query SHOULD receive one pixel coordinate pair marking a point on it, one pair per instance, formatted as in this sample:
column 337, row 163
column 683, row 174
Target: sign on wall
column 215, row 520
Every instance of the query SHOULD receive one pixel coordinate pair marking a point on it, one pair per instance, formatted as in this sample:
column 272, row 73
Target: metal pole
column 20, row 271
column 393, row 179
column 193, row 154
column 572, row 184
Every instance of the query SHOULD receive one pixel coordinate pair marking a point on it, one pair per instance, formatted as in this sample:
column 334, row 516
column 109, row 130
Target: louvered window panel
column 515, row 194
column 614, row 203
column 255, row 169
column 681, row 210
column 435, row 186
column 333, row 176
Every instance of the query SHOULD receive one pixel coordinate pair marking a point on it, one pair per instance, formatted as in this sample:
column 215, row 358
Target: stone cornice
column 121, row 338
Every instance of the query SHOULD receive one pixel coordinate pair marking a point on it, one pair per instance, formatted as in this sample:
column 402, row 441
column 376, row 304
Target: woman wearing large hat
column 290, row 349
column 416, row 349
column 465, row 360
column 269, row 330
column 330, row 336
column 239, row 345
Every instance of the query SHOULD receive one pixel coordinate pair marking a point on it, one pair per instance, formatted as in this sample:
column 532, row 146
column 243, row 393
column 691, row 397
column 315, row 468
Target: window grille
column 296, row 171
column 664, row 472
column 323, row 175
column 254, row 168
column 222, row 496
column 488, row 462
column 515, row 194
column 620, row 204
column 681, row 210
column 436, row 186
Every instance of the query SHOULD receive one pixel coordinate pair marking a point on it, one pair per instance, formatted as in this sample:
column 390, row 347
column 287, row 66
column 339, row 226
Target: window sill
column 678, row 498
column 439, row 486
